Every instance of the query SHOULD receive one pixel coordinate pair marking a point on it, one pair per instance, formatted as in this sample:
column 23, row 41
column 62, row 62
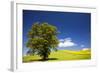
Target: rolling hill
column 61, row 55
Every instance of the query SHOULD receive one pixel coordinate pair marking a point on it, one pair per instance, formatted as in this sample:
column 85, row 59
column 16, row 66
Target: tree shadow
column 41, row 60
column 48, row 59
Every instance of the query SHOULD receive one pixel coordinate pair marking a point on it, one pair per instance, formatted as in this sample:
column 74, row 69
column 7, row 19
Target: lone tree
column 42, row 39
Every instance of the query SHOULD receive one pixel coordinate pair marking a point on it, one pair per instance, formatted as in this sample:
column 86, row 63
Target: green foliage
column 42, row 39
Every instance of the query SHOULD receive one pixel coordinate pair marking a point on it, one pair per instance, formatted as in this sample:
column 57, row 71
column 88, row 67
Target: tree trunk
column 45, row 57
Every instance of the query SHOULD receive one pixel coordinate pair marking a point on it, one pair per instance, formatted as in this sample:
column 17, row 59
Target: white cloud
column 82, row 45
column 67, row 42
column 84, row 49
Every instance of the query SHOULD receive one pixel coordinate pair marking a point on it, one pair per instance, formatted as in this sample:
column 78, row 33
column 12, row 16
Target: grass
column 61, row 55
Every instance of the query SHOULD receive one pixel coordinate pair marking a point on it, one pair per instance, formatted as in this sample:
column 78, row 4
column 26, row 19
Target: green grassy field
column 61, row 55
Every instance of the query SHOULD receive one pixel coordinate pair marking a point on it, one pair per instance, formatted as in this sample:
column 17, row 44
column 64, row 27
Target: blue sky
column 74, row 28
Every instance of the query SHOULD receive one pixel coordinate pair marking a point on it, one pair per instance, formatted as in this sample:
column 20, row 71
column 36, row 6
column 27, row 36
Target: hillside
column 61, row 55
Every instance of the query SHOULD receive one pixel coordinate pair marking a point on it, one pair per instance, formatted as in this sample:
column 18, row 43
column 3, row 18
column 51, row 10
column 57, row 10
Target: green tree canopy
column 42, row 39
